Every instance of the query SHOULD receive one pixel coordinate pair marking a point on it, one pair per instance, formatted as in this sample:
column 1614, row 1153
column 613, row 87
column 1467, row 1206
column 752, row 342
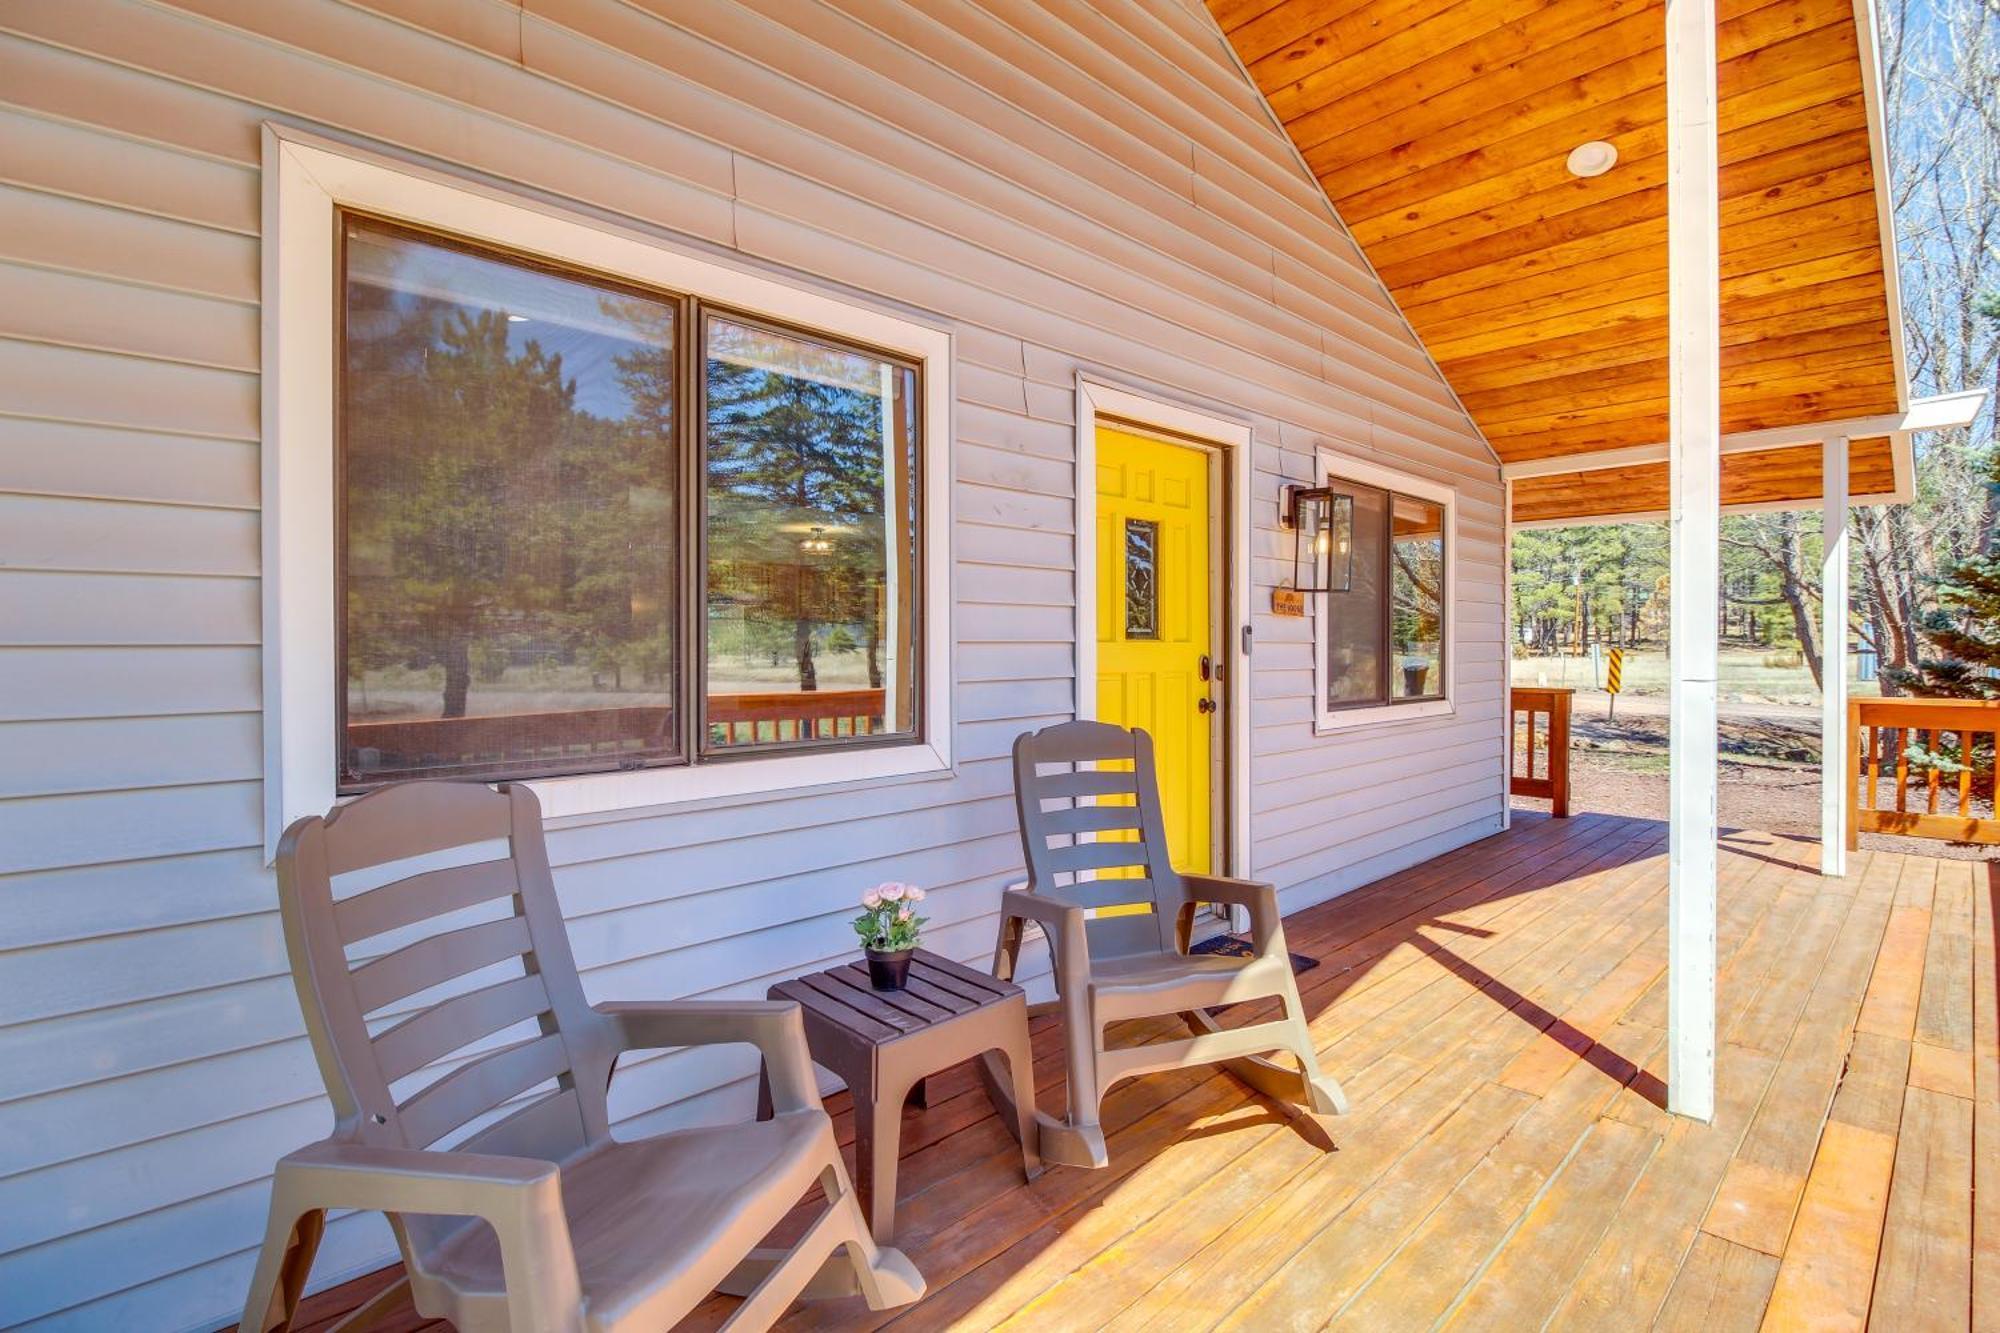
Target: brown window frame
column 691, row 729
column 1385, row 678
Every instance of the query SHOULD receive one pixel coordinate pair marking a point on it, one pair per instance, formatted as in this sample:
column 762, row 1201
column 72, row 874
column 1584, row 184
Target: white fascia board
column 1941, row 412
column 1660, row 515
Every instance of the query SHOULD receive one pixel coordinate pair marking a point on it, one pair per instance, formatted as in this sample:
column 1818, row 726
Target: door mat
column 1235, row 946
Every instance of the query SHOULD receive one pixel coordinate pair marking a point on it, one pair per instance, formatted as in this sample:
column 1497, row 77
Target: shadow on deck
column 1498, row 1017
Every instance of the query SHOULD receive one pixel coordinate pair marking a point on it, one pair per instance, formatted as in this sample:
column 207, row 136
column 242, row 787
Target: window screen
column 1385, row 634
column 507, row 529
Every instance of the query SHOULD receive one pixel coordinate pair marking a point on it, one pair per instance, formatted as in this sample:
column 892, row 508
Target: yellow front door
column 1154, row 627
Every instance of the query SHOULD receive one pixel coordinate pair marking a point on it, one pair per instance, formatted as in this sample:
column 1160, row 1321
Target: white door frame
column 1231, row 439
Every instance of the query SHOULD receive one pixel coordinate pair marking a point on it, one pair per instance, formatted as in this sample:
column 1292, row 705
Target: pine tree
column 1965, row 625
column 487, row 508
column 795, row 495
column 1965, row 629
column 1575, row 584
column 452, row 437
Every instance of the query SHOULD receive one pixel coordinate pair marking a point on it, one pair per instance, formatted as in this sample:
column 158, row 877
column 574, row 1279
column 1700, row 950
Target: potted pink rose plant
column 889, row 928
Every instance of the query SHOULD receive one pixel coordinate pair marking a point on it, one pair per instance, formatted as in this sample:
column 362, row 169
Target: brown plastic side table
column 883, row 1043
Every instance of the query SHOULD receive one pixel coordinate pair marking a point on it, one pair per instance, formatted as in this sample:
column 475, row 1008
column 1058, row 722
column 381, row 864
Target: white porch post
column 1833, row 737
column 1694, row 466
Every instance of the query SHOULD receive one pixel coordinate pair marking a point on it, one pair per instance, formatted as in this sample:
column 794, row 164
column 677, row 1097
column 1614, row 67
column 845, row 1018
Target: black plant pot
column 888, row 969
column 1413, row 680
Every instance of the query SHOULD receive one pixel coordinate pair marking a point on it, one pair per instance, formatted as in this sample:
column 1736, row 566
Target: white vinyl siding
column 1093, row 189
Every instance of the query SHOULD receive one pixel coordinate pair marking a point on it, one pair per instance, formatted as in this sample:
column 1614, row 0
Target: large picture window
column 1384, row 636
column 557, row 497
column 587, row 526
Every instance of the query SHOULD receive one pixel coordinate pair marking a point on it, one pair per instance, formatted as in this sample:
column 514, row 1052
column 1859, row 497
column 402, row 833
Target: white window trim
column 1327, row 464
column 306, row 178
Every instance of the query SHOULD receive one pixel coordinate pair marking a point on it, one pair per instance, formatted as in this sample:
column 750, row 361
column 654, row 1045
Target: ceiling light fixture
column 1592, row 159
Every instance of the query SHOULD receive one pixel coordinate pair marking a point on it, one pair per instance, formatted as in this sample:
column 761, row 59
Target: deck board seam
column 1629, row 837
column 1851, row 1010
column 1769, row 880
column 1635, row 898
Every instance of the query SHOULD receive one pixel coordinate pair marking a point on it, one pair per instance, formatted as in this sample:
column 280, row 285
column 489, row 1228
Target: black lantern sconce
column 1322, row 524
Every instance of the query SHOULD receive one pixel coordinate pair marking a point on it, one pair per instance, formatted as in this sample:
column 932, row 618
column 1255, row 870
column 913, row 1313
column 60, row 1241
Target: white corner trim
column 1232, row 437
column 306, row 180
column 1939, row 411
column 1327, row 721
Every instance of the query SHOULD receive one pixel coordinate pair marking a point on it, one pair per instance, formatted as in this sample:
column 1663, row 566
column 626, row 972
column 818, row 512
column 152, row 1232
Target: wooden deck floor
column 1498, row 1017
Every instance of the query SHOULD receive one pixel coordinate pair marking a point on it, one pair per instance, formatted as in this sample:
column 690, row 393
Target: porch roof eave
column 1613, row 486
column 1541, row 294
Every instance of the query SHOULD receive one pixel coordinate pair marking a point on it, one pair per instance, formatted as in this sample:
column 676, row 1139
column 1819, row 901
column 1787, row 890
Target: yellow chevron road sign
column 1615, row 673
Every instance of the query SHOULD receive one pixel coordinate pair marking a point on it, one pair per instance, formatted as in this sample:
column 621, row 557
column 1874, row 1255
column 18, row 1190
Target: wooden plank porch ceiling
column 1498, row 1016
column 1440, row 130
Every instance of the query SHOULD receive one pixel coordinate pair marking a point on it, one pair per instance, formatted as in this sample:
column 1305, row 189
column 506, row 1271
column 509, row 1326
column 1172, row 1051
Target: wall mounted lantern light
column 1322, row 524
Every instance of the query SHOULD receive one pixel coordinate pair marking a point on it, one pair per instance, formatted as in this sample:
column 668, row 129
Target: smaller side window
column 1384, row 638
column 1356, row 647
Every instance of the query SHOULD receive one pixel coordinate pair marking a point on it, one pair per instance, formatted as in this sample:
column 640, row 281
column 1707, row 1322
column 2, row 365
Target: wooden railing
column 1883, row 732
column 1551, row 707
column 820, row 714
column 445, row 745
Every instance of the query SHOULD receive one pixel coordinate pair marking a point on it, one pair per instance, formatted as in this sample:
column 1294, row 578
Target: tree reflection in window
column 508, row 515
column 1142, row 579
column 511, row 527
column 1384, row 635
column 811, row 534
column 1416, row 599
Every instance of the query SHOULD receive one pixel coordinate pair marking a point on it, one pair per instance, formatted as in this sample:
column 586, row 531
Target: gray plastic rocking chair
column 1080, row 780
column 540, row 1221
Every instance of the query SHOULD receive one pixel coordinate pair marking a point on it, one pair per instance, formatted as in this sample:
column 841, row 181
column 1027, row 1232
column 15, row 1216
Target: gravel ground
column 1768, row 779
